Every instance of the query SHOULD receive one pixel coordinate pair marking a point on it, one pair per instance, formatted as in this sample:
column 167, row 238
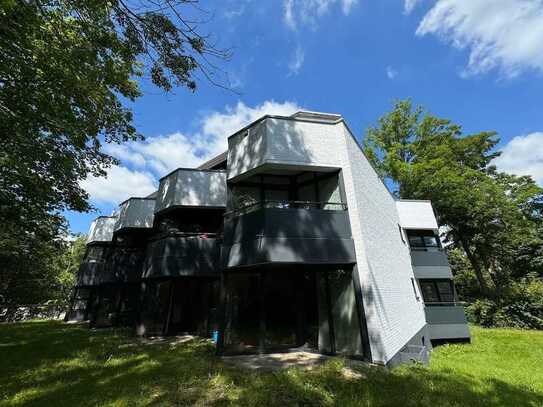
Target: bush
column 521, row 307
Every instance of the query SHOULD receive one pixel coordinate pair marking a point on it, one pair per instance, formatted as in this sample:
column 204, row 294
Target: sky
column 478, row 63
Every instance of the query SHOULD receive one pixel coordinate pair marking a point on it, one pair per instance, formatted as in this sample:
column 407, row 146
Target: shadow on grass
column 51, row 363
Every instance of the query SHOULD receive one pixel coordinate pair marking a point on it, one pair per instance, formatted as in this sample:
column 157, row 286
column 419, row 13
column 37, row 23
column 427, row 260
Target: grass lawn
column 54, row 364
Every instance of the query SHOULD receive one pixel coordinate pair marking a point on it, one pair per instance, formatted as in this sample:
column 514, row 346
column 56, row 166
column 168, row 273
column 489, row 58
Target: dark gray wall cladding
column 89, row 274
column 124, row 265
column 445, row 315
column 288, row 235
column 424, row 258
column 182, row 256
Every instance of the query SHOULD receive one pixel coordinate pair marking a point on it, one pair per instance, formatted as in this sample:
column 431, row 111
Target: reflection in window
column 437, row 291
column 422, row 239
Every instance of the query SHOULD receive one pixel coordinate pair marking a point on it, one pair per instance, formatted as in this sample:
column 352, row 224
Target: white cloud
column 391, row 72
column 297, row 61
column 409, row 5
column 523, row 155
column 288, row 15
column 120, row 184
column 235, row 118
column 156, row 156
column 500, row 34
column 308, row 11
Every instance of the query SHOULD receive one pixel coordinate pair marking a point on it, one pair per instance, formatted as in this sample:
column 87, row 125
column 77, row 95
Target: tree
column 65, row 267
column 492, row 217
column 68, row 69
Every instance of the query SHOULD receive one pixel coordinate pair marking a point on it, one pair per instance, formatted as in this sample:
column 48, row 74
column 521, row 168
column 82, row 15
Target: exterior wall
column 187, row 187
column 393, row 313
column 276, row 141
column 416, row 214
column 136, row 213
column 246, row 150
column 101, row 229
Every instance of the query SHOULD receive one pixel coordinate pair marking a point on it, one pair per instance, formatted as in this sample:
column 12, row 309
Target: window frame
column 434, row 283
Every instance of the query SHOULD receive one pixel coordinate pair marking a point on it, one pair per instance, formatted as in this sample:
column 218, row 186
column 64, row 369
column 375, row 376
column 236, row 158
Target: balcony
column 447, row 321
column 288, row 232
column 123, row 266
column 89, row 274
column 183, row 254
column 136, row 213
column 101, row 229
column 280, row 142
column 191, row 188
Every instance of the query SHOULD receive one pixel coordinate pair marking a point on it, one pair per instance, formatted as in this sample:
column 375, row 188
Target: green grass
column 54, row 364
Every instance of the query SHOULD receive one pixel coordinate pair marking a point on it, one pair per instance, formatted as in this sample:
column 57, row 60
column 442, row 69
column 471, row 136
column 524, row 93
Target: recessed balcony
column 288, row 232
column 183, row 254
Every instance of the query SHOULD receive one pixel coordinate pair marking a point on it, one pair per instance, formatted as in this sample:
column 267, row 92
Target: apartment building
column 289, row 240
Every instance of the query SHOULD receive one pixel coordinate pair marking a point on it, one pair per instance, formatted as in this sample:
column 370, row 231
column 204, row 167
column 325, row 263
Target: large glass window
column 437, row 292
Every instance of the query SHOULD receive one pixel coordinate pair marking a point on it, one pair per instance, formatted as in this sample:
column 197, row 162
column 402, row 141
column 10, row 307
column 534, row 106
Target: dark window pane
column 445, row 290
column 429, row 292
column 430, row 241
column 416, row 241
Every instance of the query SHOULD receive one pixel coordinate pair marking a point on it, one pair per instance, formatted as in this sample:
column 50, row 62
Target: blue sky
column 476, row 62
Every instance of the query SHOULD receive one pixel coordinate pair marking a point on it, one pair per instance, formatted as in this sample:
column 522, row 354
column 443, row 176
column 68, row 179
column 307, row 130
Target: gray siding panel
column 189, row 188
column 432, row 272
column 182, row 256
column 453, row 314
column 136, row 213
column 429, row 258
column 288, row 235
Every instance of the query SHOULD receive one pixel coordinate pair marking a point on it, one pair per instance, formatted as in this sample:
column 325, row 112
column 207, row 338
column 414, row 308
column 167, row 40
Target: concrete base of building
column 417, row 349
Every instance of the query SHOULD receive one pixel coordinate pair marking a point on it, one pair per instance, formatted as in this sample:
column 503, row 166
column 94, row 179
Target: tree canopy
column 68, row 71
column 494, row 219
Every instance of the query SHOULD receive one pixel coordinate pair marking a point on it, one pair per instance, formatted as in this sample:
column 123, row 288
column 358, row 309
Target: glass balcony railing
column 270, row 204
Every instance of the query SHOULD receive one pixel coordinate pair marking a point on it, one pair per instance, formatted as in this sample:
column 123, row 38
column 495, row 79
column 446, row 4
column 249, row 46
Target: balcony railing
column 452, row 314
column 445, row 304
column 288, row 232
column 271, row 204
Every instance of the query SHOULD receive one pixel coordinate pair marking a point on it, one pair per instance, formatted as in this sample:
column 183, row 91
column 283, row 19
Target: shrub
column 520, row 307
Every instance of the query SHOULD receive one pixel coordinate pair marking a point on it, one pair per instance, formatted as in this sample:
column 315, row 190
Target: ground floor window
column 180, row 305
column 106, row 304
column 271, row 310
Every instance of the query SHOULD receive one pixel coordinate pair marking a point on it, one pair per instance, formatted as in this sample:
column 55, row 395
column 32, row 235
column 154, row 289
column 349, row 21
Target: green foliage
column 66, row 266
column 493, row 220
column 68, row 73
column 50, row 363
column 46, row 274
column 521, row 307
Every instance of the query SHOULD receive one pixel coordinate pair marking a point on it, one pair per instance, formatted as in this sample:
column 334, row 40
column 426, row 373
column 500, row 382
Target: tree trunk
column 476, row 267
